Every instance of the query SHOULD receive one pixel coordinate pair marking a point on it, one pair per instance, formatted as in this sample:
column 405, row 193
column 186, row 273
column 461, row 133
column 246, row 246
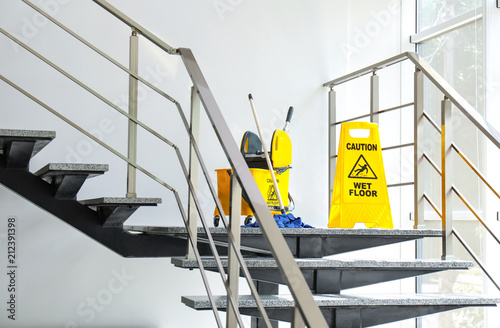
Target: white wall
column 280, row 51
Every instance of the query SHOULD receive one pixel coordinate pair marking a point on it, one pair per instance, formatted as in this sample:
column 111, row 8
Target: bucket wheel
column 248, row 219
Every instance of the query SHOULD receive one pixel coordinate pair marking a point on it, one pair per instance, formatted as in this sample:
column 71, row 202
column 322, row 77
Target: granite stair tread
column 68, row 178
column 114, row 211
column 18, row 146
column 335, row 275
column 349, row 300
column 296, row 231
column 91, row 170
column 121, row 201
column 324, row 263
column 342, row 310
column 303, row 243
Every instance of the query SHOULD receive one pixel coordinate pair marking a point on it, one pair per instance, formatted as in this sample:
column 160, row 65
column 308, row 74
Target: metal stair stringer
column 79, row 216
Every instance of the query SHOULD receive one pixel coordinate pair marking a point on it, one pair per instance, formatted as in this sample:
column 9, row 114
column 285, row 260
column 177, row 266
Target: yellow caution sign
column 360, row 190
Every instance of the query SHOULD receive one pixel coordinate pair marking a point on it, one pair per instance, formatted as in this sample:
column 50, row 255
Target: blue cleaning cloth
column 284, row 221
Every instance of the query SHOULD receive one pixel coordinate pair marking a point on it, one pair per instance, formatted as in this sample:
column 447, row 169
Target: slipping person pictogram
column 362, row 169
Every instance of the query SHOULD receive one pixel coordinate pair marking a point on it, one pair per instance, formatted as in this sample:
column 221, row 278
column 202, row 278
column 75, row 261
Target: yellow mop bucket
column 360, row 189
column 281, row 156
column 264, row 182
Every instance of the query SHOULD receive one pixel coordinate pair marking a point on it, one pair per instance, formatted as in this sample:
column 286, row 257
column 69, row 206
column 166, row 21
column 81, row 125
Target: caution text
column 362, row 190
column 361, row 146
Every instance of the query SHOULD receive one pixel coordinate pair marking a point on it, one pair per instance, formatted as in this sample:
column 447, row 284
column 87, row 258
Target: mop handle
column 268, row 160
column 288, row 119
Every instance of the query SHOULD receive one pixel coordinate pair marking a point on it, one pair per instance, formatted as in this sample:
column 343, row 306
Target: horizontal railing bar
column 375, row 113
column 432, row 205
column 469, row 206
column 85, row 132
column 410, row 144
column 367, row 70
column 433, row 164
column 475, row 257
column 432, row 122
column 88, row 89
column 104, row 55
column 133, row 24
column 401, row 184
column 395, row 107
column 473, row 167
column 448, row 26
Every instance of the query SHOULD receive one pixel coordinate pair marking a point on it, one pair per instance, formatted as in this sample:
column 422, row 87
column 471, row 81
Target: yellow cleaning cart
column 281, row 158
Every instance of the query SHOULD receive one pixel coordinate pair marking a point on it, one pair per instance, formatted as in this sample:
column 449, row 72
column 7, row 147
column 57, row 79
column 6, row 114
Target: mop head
column 284, row 221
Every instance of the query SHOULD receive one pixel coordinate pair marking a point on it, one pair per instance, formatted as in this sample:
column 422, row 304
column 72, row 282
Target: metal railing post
column 418, row 176
column 233, row 269
column 193, row 171
column 132, row 105
column 297, row 321
column 332, row 142
column 446, row 179
column 418, row 150
column 374, row 97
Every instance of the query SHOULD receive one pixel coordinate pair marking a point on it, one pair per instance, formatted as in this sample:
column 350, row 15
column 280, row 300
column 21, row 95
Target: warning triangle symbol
column 362, row 170
column 271, row 194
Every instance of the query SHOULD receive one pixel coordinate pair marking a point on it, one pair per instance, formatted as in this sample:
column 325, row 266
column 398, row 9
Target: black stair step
column 352, row 310
column 68, row 178
column 325, row 276
column 113, row 211
column 18, row 146
column 305, row 243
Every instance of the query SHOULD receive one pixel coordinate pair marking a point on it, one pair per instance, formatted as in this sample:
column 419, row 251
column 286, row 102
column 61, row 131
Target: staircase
column 330, row 278
column 308, row 261
column 55, row 188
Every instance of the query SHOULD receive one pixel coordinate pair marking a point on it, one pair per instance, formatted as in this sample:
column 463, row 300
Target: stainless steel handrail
column 132, row 163
column 476, row 118
column 136, row 26
column 451, row 95
column 367, row 70
column 297, row 285
column 281, row 252
column 133, row 119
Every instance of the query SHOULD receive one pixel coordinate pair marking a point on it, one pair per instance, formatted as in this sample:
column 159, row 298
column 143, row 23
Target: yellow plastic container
column 266, row 187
